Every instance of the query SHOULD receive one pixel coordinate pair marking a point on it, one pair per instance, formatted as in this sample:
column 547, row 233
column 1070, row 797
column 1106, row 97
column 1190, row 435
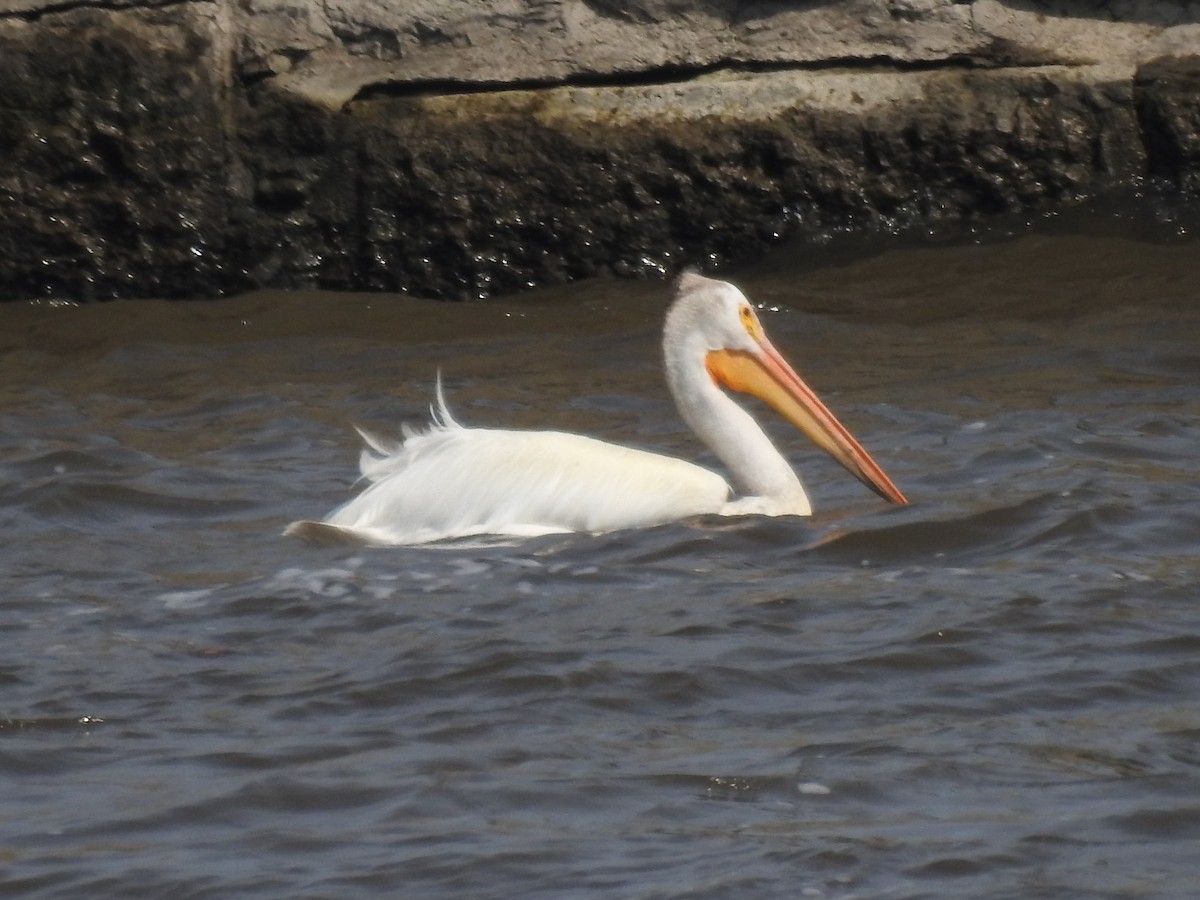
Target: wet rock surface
column 114, row 175
column 461, row 149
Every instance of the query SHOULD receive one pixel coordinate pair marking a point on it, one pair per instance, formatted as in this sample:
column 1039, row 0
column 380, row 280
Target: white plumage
column 450, row 481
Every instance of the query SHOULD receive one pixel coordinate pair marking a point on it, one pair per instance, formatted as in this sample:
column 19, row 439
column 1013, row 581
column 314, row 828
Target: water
column 991, row 692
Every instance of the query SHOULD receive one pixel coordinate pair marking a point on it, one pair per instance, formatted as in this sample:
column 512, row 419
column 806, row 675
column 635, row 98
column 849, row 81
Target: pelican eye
column 750, row 323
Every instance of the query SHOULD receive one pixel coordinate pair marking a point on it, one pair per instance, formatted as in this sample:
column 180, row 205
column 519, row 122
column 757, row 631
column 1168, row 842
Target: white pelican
column 452, row 481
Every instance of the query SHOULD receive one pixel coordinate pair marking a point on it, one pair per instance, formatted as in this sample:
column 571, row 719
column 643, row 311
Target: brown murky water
column 992, row 692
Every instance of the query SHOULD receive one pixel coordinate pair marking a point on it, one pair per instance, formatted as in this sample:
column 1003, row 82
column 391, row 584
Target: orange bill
column 768, row 376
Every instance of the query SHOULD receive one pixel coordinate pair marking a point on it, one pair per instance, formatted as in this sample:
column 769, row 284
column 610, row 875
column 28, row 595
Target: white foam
column 813, row 788
column 185, row 599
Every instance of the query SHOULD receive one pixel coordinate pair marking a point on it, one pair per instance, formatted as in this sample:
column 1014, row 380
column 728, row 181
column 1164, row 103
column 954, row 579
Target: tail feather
column 321, row 534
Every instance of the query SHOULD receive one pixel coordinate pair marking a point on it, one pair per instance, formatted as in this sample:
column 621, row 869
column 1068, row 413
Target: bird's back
column 454, row 482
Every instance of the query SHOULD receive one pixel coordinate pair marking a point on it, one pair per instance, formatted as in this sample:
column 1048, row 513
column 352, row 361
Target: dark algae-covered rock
column 461, row 149
column 520, row 187
column 1168, row 104
column 115, row 174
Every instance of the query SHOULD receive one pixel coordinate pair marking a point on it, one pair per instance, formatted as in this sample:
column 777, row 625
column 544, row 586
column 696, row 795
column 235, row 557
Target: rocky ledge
column 459, row 148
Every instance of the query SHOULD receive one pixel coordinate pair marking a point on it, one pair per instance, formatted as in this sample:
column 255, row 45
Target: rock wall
column 459, row 148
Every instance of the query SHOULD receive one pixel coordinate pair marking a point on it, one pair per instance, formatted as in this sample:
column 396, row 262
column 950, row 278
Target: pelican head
column 711, row 328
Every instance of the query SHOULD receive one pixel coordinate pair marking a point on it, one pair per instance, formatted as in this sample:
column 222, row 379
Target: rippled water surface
column 993, row 692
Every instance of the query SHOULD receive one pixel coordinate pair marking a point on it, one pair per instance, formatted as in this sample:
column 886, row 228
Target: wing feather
column 452, row 481
column 447, row 481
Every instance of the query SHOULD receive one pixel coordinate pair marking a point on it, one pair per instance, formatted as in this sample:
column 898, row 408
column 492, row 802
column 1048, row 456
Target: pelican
column 452, row 482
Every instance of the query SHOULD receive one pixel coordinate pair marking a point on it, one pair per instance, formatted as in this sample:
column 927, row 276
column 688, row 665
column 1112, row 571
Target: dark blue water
column 989, row 693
